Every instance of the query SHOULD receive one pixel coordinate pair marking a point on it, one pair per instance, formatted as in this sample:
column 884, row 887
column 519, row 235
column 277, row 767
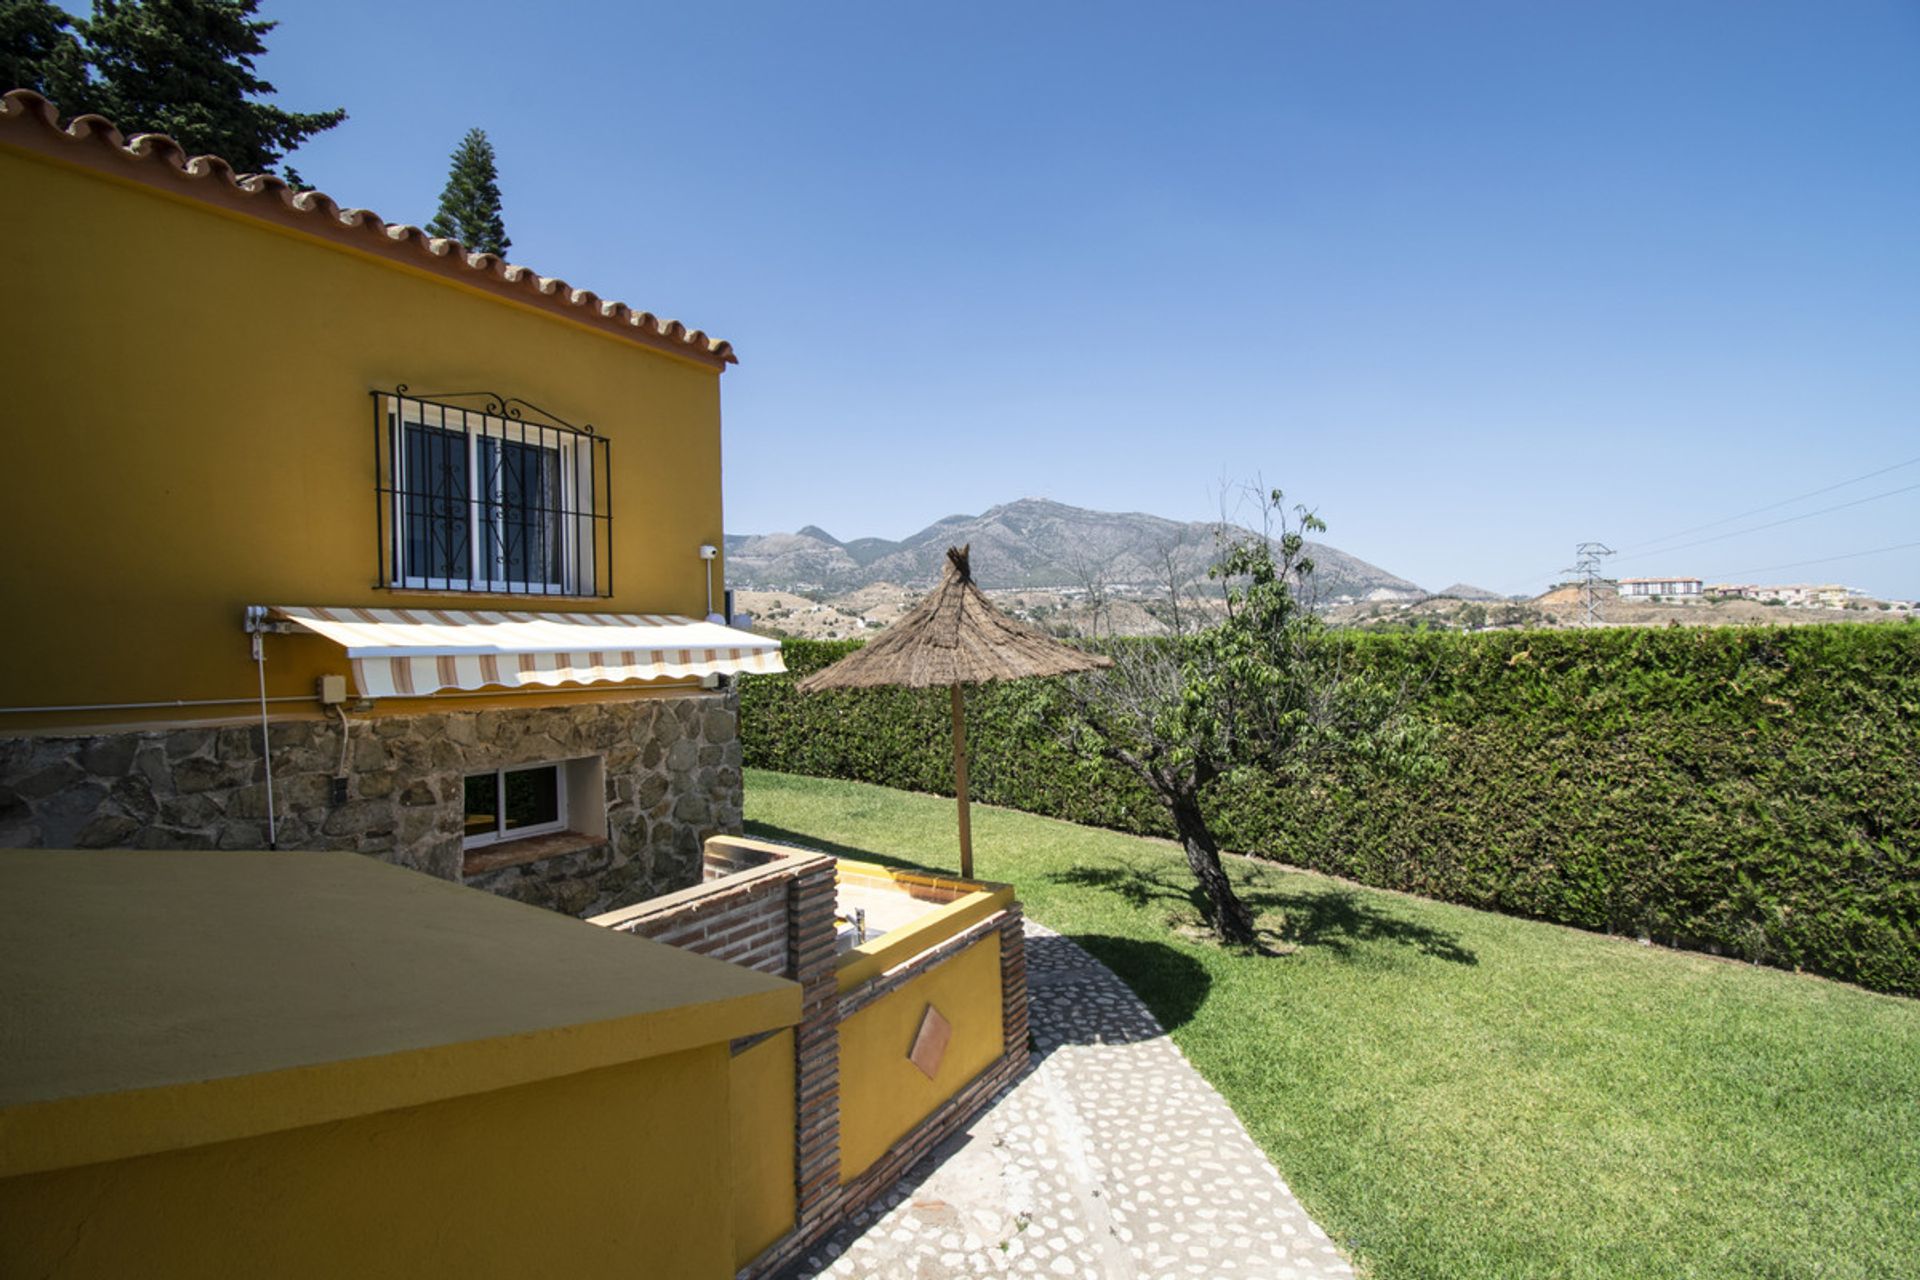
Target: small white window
column 535, row 800
column 508, row 804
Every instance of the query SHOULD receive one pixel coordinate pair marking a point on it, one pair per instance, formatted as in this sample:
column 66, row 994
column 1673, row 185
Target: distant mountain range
column 1030, row 543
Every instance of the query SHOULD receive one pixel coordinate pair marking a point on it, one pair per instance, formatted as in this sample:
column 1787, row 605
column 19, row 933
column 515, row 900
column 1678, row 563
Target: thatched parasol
column 951, row 638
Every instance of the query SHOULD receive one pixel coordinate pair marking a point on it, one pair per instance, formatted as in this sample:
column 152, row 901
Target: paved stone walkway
column 1111, row 1158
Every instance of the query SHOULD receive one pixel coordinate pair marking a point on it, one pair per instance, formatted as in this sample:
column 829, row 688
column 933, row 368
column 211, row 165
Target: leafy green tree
column 1255, row 686
column 40, row 50
column 185, row 68
column 179, row 67
column 470, row 205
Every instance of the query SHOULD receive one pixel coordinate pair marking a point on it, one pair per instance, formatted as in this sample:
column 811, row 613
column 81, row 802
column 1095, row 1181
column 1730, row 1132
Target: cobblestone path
column 1111, row 1158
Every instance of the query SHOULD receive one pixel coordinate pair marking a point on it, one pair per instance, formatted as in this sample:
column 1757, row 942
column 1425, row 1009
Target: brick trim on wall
column 774, row 909
column 816, row 1154
column 830, row 1210
column 1013, row 985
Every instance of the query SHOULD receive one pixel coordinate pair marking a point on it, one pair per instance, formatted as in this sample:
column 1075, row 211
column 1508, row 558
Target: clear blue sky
column 1478, row 280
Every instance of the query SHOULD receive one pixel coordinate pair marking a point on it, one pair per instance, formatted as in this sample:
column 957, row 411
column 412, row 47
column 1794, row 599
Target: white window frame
column 500, row 834
column 575, row 553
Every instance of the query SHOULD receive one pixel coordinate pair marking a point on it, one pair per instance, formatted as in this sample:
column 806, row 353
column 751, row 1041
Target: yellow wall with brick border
column 882, row 1094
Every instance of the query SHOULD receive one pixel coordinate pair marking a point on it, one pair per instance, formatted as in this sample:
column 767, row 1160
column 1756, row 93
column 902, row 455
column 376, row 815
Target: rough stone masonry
column 671, row 765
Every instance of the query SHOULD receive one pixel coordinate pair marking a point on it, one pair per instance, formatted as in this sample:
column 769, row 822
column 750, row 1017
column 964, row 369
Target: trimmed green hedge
column 1752, row 792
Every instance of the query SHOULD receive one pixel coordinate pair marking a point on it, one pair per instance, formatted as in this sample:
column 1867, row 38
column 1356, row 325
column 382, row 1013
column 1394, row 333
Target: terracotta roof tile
column 30, row 121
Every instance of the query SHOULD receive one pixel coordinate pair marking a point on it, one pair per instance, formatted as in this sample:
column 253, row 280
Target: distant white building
column 1798, row 595
column 1801, row 595
column 1660, row 588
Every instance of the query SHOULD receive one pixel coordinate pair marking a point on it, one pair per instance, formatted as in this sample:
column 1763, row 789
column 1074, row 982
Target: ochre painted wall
column 189, row 431
column 619, row 1171
column 882, row 1094
column 761, row 1099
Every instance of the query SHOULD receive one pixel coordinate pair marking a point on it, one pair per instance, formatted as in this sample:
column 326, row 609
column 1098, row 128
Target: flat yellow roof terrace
column 152, row 1000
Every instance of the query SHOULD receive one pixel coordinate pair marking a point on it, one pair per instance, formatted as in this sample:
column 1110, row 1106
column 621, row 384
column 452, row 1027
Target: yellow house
column 440, row 530
column 324, row 535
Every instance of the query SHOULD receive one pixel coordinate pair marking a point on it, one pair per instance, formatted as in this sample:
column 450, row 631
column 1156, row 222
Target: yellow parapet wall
column 918, row 884
column 621, row 1171
column 762, row 1105
column 314, row 1064
column 883, row 1095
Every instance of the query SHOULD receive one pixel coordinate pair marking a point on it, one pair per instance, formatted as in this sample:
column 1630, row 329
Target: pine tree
column 470, row 205
column 39, row 50
column 179, row 67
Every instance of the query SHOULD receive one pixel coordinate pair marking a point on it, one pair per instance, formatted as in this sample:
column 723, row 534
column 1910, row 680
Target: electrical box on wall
column 332, row 690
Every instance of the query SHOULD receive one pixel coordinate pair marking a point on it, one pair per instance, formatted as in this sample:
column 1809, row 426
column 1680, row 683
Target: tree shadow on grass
column 1334, row 919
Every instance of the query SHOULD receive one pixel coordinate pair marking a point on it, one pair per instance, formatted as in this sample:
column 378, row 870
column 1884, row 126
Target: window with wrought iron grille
column 488, row 493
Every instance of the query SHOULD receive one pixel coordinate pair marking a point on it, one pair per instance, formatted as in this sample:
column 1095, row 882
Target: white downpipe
column 266, row 741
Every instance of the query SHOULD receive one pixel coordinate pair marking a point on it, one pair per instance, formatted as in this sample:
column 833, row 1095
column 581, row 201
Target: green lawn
column 1460, row 1094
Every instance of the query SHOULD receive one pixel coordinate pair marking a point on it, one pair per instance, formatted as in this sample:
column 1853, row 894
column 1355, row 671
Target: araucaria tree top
column 470, row 205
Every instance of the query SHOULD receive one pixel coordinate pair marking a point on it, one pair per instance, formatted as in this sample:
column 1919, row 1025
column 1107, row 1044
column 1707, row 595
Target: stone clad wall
column 671, row 765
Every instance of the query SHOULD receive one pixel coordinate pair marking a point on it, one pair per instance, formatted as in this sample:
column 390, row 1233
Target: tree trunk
column 1225, row 912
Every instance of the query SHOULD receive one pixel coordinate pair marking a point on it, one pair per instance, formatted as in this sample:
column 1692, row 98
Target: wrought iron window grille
column 479, row 492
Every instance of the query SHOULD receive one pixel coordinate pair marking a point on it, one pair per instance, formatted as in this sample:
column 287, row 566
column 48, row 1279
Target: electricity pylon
column 1586, row 567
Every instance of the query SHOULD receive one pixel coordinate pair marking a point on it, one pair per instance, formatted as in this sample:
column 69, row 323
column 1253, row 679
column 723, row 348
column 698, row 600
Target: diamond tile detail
column 930, row 1044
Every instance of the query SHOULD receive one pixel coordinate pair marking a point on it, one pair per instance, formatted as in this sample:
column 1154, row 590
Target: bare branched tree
column 1095, row 578
column 1173, row 561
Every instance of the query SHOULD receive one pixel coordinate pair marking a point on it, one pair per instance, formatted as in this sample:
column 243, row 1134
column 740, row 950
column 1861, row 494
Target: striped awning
column 403, row 653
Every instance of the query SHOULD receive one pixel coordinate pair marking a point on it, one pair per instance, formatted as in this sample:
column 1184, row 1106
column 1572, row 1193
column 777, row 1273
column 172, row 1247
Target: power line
column 1639, row 551
column 1799, row 564
column 1771, row 506
column 1774, row 524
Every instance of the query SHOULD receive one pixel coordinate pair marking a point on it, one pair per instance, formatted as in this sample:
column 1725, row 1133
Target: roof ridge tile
column 318, row 213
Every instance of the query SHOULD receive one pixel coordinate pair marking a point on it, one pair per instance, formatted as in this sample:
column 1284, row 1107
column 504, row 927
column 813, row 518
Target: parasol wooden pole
column 960, row 781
